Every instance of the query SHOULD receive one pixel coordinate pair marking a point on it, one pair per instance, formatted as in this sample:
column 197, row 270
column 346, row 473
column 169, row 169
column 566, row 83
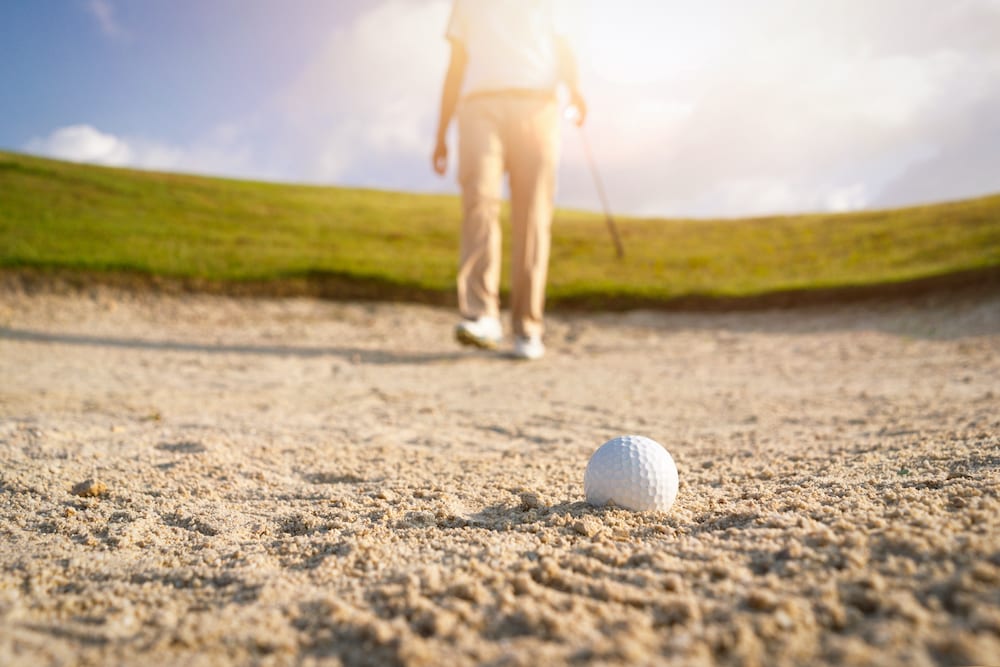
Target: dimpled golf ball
column 633, row 472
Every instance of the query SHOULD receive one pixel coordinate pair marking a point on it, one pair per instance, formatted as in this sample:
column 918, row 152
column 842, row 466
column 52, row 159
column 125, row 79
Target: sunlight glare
column 641, row 42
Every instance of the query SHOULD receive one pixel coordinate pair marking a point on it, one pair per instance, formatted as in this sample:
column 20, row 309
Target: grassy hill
column 237, row 235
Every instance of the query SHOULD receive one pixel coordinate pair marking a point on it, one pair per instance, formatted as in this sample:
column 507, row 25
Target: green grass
column 94, row 220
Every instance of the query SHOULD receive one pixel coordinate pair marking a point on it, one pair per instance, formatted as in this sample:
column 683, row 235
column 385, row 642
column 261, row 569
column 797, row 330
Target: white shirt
column 511, row 44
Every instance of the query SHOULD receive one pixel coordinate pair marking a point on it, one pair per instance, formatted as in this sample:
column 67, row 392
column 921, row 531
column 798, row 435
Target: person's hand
column 580, row 106
column 441, row 157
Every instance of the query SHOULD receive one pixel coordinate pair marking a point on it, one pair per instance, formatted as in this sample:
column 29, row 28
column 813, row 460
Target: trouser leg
column 533, row 144
column 480, row 175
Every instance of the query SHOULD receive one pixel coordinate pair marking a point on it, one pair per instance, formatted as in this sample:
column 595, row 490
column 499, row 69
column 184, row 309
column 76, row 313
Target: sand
column 205, row 480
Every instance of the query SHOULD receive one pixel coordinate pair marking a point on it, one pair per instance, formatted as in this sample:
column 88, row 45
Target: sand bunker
column 203, row 480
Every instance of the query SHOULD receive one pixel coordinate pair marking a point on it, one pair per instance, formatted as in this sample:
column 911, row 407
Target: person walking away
column 508, row 58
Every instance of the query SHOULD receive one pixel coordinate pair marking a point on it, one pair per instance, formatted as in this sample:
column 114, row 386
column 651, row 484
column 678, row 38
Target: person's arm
column 569, row 75
column 449, row 102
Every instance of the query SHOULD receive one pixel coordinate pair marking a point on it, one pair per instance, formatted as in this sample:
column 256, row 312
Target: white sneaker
column 529, row 348
column 485, row 333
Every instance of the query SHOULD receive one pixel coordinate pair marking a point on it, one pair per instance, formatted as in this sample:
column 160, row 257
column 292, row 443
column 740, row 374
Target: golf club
column 572, row 114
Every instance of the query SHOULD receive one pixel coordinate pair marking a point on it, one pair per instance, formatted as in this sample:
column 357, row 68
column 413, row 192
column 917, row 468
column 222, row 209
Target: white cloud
column 849, row 198
column 369, row 97
column 222, row 152
column 83, row 143
column 792, row 105
column 104, row 12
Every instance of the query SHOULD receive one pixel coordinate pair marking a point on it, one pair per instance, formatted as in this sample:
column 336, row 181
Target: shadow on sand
column 354, row 354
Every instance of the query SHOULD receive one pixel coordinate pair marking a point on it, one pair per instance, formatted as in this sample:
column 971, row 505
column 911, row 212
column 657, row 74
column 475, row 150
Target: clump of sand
column 304, row 482
column 90, row 488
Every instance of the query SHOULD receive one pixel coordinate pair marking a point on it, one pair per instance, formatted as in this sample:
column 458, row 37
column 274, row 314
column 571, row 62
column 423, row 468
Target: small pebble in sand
column 530, row 501
column 90, row 488
column 587, row 526
column 762, row 601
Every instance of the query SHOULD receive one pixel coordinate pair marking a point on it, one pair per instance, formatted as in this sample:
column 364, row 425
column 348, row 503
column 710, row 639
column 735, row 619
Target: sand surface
column 205, row 480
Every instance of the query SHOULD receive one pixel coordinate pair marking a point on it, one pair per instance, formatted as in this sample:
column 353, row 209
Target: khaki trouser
column 517, row 134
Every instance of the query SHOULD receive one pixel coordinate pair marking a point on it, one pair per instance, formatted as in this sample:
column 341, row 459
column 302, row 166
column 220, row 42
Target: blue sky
column 170, row 68
column 715, row 107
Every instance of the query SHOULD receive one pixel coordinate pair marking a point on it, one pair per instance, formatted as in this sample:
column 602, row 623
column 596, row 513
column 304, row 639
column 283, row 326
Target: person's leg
column 533, row 136
column 480, row 175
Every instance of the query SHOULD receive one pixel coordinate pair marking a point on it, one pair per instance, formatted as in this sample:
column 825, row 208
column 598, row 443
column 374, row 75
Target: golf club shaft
column 612, row 227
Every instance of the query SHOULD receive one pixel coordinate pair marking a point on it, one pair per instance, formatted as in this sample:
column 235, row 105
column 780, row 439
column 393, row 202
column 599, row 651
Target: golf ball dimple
column 633, row 472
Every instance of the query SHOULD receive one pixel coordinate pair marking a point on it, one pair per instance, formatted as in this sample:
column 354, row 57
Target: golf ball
column 633, row 472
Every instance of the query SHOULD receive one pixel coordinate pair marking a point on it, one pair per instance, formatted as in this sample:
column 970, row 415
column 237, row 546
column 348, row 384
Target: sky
column 698, row 108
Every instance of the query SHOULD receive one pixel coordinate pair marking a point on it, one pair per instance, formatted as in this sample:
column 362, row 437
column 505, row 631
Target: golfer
column 508, row 58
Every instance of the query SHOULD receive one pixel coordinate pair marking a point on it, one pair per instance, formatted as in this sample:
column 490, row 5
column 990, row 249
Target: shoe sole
column 466, row 338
